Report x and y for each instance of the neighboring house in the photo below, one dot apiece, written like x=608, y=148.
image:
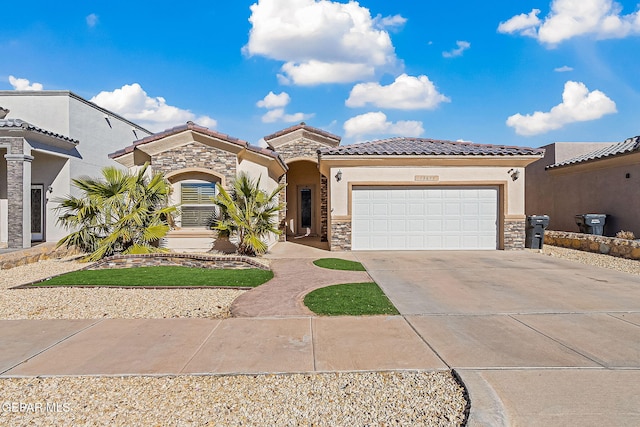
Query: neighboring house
x=580, y=178
x=394, y=194
x=48, y=138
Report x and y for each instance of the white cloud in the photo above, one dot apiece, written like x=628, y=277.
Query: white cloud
x=133, y=103
x=602, y=19
x=274, y=101
x=92, y=20
x=376, y=123
x=321, y=41
x=405, y=93
x=524, y=23
x=278, y=115
x=578, y=105
x=275, y=104
x=462, y=46
x=24, y=84
x=563, y=69
x=315, y=72
x=391, y=22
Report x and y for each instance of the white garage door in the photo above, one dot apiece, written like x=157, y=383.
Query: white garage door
x=422, y=218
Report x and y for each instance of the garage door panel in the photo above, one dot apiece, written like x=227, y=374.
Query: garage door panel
x=398, y=209
x=397, y=225
x=424, y=218
x=380, y=208
x=415, y=209
x=379, y=225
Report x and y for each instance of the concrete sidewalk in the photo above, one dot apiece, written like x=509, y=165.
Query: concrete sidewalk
x=514, y=375
x=198, y=346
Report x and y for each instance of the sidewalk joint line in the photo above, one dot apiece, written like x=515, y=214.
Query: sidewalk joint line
x=425, y=341
x=201, y=345
x=624, y=320
x=52, y=345
x=559, y=342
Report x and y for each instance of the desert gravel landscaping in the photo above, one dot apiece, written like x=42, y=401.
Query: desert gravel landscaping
x=590, y=258
x=334, y=399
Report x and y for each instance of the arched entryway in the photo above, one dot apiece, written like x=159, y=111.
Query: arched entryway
x=304, y=200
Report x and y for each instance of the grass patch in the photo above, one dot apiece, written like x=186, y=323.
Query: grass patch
x=173, y=276
x=339, y=264
x=349, y=299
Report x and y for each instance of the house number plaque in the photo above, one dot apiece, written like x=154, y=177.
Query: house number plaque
x=427, y=178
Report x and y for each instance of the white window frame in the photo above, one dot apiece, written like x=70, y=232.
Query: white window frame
x=203, y=201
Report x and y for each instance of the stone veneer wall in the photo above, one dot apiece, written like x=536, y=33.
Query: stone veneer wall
x=282, y=213
x=198, y=155
x=37, y=253
x=341, y=235
x=622, y=248
x=324, y=213
x=15, y=191
x=177, y=259
x=514, y=235
x=297, y=149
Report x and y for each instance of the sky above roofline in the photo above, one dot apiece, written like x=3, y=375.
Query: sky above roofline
x=522, y=73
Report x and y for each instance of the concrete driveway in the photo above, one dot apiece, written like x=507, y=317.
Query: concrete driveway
x=537, y=340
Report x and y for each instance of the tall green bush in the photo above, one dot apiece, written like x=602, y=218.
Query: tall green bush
x=119, y=213
x=247, y=212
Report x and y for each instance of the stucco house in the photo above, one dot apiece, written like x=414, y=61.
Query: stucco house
x=47, y=138
x=393, y=194
x=578, y=178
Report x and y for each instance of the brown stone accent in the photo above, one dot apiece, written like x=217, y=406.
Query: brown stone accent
x=282, y=214
x=199, y=155
x=300, y=148
x=324, y=217
x=37, y=253
x=178, y=259
x=514, y=234
x=16, y=159
x=341, y=235
x=622, y=248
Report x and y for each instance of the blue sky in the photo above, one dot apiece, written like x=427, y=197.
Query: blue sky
x=503, y=72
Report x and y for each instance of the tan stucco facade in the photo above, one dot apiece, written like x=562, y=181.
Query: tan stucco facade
x=320, y=184
x=428, y=171
x=604, y=186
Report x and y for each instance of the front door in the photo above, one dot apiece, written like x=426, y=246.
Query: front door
x=305, y=197
x=37, y=212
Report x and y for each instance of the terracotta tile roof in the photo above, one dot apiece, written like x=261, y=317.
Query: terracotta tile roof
x=401, y=146
x=627, y=146
x=302, y=125
x=21, y=124
x=200, y=129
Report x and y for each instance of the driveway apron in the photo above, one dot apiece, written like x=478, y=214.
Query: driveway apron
x=537, y=340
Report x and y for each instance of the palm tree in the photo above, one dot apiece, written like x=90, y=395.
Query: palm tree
x=120, y=213
x=248, y=212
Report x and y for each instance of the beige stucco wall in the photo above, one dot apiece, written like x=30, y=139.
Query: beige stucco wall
x=255, y=171
x=592, y=187
x=446, y=175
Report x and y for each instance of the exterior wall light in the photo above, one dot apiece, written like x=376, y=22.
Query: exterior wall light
x=339, y=175
x=515, y=173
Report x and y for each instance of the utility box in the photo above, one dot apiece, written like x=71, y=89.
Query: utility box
x=536, y=224
x=591, y=223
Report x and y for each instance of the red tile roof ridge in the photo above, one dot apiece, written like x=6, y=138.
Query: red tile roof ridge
x=302, y=125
